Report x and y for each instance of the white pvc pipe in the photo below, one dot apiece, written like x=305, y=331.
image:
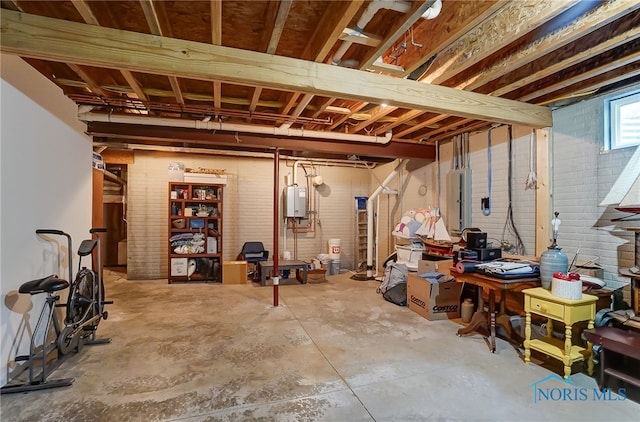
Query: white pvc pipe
x=233, y=127
x=366, y=17
x=375, y=274
x=373, y=196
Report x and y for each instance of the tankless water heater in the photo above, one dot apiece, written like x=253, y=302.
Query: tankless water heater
x=295, y=202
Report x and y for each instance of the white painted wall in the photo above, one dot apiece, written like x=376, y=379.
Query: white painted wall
x=45, y=178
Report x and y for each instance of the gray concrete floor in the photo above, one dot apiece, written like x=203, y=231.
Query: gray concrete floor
x=333, y=351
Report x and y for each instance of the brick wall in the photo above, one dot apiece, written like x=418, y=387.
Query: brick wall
x=247, y=212
x=583, y=174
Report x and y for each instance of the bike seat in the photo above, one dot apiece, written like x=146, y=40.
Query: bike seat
x=87, y=246
x=47, y=284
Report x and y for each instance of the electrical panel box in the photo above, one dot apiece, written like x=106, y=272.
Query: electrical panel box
x=459, y=200
x=295, y=200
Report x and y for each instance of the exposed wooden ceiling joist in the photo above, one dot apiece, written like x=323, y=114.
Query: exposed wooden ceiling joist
x=509, y=22
x=543, y=52
x=507, y=61
x=52, y=39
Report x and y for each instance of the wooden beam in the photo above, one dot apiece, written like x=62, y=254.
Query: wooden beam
x=421, y=125
x=327, y=33
x=562, y=61
x=12, y=5
x=356, y=108
x=324, y=106
x=156, y=28
x=411, y=114
x=217, y=95
x=593, y=21
x=454, y=125
x=85, y=11
x=131, y=80
x=254, y=99
x=216, y=22
x=63, y=41
x=281, y=18
x=302, y=104
x=117, y=156
x=580, y=87
x=403, y=26
x=543, y=191
x=505, y=26
x=177, y=91
x=437, y=34
x=92, y=85
x=358, y=37
x=447, y=135
x=376, y=114
x=151, y=16
x=87, y=14
x=329, y=29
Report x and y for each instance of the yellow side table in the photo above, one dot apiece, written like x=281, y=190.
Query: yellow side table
x=568, y=311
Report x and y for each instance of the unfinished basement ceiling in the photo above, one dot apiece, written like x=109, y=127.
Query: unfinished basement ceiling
x=375, y=79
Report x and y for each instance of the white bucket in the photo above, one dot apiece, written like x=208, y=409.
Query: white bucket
x=334, y=267
x=334, y=249
x=286, y=255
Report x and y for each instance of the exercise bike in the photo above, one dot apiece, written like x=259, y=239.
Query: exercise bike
x=86, y=300
x=84, y=311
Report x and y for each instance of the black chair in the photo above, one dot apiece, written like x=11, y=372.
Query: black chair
x=253, y=253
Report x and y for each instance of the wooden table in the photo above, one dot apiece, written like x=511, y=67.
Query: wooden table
x=484, y=324
x=568, y=311
x=285, y=265
x=615, y=343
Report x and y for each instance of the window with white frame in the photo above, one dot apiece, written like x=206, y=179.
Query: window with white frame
x=622, y=121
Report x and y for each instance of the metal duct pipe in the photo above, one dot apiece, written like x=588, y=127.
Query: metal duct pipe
x=232, y=127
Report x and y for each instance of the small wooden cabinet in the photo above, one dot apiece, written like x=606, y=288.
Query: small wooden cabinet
x=540, y=301
x=195, y=232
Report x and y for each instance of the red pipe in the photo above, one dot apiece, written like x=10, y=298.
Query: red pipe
x=276, y=188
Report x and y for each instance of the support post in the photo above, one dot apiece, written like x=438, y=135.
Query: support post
x=276, y=187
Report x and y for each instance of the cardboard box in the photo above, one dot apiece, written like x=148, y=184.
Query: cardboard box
x=234, y=272
x=316, y=276
x=178, y=266
x=433, y=301
x=440, y=265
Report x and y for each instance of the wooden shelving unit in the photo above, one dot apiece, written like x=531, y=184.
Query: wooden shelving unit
x=195, y=232
x=361, y=233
